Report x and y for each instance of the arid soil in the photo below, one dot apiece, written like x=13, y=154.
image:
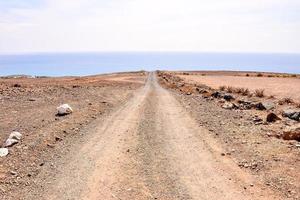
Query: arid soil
x=143, y=138
x=28, y=105
x=276, y=86
x=254, y=147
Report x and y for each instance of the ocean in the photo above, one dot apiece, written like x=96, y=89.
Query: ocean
x=80, y=64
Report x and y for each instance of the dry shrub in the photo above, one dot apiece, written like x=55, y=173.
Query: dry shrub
x=250, y=94
x=245, y=91
x=271, y=97
x=230, y=89
x=259, y=93
x=259, y=75
x=286, y=100
x=247, y=75
x=222, y=87
x=297, y=105
x=238, y=90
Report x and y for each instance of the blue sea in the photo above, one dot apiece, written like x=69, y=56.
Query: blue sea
x=62, y=64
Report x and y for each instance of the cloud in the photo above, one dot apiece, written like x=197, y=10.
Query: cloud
x=141, y=25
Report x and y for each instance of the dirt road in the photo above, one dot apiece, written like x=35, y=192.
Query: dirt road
x=150, y=148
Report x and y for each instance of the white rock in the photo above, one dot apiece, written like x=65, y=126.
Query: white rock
x=64, y=109
x=13, y=138
x=10, y=142
x=3, y=152
x=15, y=135
x=228, y=105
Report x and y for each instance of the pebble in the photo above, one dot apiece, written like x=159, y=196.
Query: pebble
x=13, y=173
x=3, y=152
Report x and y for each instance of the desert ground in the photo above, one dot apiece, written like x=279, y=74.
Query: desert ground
x=280, y=87
x=149, y=135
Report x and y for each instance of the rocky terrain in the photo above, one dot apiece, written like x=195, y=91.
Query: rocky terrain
x=259, y=133
x=145, y=136
x=29, y=106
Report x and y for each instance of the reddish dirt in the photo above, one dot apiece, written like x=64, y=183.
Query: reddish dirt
x=131, y=138
x=28, y=105
x=274, y=161
x=278, y=87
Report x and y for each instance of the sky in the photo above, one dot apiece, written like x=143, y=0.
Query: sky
x=144, y=25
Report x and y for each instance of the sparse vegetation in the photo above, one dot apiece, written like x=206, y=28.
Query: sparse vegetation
x=259, y=75
x=259, y=93
x=286, y=100
x=222, y=88
x=230, y=89
x=271, y=97
x=242, y=91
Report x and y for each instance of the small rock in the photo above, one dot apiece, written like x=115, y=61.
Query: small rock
x=244, y=104
x=15, y=135
x=17, y=85
x=272, y=117
x=228, y=97
x=10, y=142
x=13, y=138
x=265, y=106
x=13, y=173
x=257, y=119
x=292, y=133
x=64, y=109
x=223, y=154
x=3, y=152
x=58, y=139
x=292, y=114
x=229, y=106
x=216, y=94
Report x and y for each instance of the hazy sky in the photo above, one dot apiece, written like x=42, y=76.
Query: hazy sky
x=150, y=25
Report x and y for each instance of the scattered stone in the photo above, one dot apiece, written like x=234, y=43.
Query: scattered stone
x=272, y=117
x=201, y=90
x=17, y=85
x=13, y=173
x=58, y=139
x=50, y=145
x=229, y=106
x=228, y=97
x=15, y=135
x=64, y=109
x=265, y=106
x=257, y=119
x=13, y=139
x=292, y=133
x=216, y=94
x=10, y=142
x=292, y=114
x=246, y=105
x=3, y=152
